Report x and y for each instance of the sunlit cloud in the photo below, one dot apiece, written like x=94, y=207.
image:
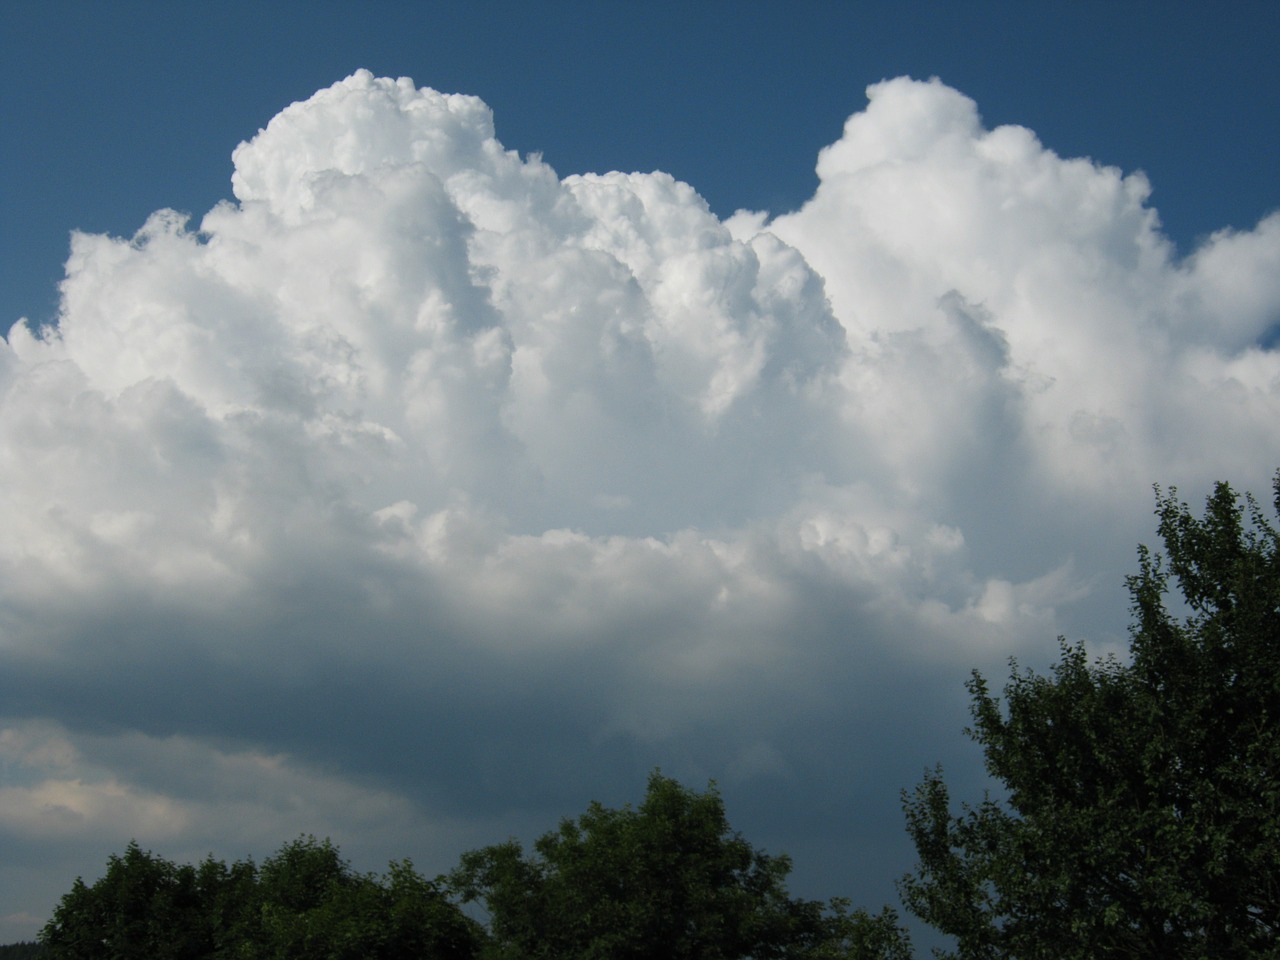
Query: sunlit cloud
x=421, y=484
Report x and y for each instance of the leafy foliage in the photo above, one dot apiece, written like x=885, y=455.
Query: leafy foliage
x=306, y=903
x=669, y=879
x=1142, y=807
x=144, y=907
x=314, y=905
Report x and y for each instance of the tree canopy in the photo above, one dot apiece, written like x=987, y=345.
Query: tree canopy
x=1140, y=815
x=23, y=950
x=305, y=903
x=669, y=879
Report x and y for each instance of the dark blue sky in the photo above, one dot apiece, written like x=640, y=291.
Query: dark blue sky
x=113, y=110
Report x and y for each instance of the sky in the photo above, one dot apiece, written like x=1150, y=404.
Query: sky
x=420, y=420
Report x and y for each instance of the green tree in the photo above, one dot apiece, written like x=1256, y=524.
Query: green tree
x=420, y=921
x=1140, y=815
x=23, y=950
x=306, y=903
x=143, y=907
x=230, y=907
x=315, y=907
x=668, y=880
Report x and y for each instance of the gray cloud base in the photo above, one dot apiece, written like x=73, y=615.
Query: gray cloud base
x=421, y=495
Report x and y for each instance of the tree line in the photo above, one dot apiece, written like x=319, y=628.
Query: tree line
x=1139, y=817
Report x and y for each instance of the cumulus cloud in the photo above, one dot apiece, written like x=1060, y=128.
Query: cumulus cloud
x=1046, y=289
x=444, y=491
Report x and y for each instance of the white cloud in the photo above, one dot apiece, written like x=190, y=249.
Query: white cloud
x=420, y=478
x=1099, y=357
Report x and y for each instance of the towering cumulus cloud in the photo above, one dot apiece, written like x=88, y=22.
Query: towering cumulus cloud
x=445, y=492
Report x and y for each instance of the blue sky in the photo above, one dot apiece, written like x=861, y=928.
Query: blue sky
x=415, y=493
x=115, y=110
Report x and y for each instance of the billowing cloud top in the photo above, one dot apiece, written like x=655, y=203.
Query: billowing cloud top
x=423, y=475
